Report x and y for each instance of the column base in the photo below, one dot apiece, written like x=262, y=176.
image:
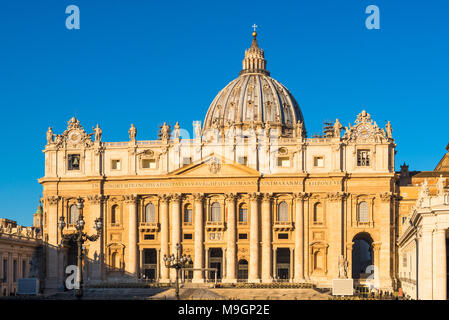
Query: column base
x=164, y=280
x=254, y=281
x=299, y=280
x=267, y=280
x=229, y=281
x=198, y=280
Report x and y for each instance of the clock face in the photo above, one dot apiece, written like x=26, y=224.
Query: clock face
x=74, y=137
x=363, y=131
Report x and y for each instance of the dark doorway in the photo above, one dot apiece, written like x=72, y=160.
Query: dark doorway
x=215, y=261
x=149, y=264
x=283, y=264
x=242, y=271
x=362, y=256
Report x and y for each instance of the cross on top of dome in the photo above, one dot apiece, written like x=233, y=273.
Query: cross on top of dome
x=254, y=61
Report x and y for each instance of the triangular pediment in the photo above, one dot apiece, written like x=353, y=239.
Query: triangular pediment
x=215, y=166
x=443, y=165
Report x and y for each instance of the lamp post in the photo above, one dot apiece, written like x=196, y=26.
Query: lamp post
x=177, y=263
x=79, y=237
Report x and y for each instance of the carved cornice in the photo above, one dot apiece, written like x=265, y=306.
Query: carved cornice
x=52, y=200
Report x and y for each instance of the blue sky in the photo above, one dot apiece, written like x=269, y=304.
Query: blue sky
x=146, y=62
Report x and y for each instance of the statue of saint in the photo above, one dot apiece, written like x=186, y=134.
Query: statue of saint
x=337, y=129
x=299, y=129
x=132, y=133
x=389, y=130
x=342, y=268
x=440, y=185
x=98, y=133
x=49, y=135
x=267, y=131
x=176, y=131
x=165, y=131
x=197, y=129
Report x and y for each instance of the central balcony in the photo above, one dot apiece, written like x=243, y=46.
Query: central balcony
x=148, y=226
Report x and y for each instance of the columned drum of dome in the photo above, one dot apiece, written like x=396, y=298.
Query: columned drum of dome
x=254, y=99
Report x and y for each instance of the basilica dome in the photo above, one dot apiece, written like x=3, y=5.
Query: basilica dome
x=254, y=98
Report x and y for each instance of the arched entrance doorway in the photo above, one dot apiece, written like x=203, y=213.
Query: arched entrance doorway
x=215, y=261
x=242, y=271
x=362, y=256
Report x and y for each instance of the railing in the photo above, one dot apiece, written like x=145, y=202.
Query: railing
x=149, y=225
x=215, y=225
x=283, y=225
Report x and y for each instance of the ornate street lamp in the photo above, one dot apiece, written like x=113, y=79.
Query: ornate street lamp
x=79, y=237
x=179, y=262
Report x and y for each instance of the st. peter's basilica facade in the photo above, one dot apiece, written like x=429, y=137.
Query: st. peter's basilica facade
x=250, y=197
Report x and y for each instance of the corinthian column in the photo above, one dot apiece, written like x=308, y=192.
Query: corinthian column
x=133, y=266
x=439, y=274
x=198, y=263
x=96, y=247
x=266, y=238
x=231, y=239
x=299, y=238
x=254, y=239
x=175, y=227
x=52, y=281
x=163, y=205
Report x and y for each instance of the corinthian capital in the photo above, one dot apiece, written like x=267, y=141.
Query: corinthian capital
x=175, y=197
x=300, y=196
x=230, y=197
x=52, y=200
x=130, y=199
x=386, y=196
x=267, y=197
x=164, y=198
x=336, y=196
x=198, y=197
x=95, y=198
x=255, y=196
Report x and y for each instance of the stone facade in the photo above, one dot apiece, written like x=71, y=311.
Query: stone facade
x=249, y=195
x=20, y=255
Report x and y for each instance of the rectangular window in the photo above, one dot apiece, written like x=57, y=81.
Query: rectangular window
x=115, y=165
x=74, y=162
x=5, y=270
x=14, y=271
x=186, y=161
x=282, y=235
x=148, y=163
x=283, y=162
x=243, y=236
x=243, y=215
x=148, y=237
x=243, y=160
x=363, y=158
x=318, y=162
x=188, y=236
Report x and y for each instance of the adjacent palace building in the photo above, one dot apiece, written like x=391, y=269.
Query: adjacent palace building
x=250, y=197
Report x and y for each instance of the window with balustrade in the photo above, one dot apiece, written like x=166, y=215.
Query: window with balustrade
x=243, y=213
x=73, y=214
x=150, y=213
x=283, y=212
x=188, y=216
x=215, y=212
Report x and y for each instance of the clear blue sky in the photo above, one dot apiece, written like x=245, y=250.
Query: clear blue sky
x=146, y=62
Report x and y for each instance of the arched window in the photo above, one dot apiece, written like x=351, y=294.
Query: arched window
x=283, y=211
x=150, y=213
x=188, y=213
x=243, y=213
x=74, y=214
x=318, y=213
x=242, y=270
x=363, y=212
x=114, y=214
x=215, y=212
